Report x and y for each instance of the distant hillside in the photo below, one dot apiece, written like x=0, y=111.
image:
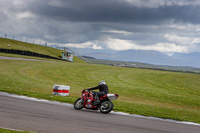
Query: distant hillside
x=144, y=56
x=147, y=56
x=18, y=45
x=190, y=58
x=88, y=57
x=145, y=65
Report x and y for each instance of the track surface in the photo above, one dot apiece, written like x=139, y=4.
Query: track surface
x=15, y=58
x=41, y=117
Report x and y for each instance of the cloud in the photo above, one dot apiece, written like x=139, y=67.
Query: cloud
x=191, y=43
x=92, y=45
x=25, y=15
x=117, y=32
x=158, y=3
x=179, y=39
x=117, y=44
x=168, y=48
x=165, y=26
x=188, y=41
x=116, y=10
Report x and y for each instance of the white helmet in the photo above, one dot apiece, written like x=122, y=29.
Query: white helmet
x=102, y=82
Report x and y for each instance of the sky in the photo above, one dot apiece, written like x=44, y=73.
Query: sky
x=166, y=26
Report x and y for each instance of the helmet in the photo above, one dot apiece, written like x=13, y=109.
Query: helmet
x=102, y=82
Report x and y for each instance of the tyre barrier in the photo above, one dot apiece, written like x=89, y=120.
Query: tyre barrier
x=28, y=53
x=61, y=90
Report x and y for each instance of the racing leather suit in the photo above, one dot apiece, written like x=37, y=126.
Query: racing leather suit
x=103, y=90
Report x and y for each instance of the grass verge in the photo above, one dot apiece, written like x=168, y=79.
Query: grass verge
x=13, y=44
x=12, y=131
x=155, y=93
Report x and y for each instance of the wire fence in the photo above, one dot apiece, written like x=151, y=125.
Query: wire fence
x=28, y=40
x=42, y=43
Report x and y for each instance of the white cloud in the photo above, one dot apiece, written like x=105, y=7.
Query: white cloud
x=198, y=28
x=157, y=3
x=178, y=39
x=19, y=19
x=117, y=44
x=168, y=48
x=25, y=15
x=117, y=32
x=195, y=41
x=90, y=44
x=191, y=43
x=175, y=26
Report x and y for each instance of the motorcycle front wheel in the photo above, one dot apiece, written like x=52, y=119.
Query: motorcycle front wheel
x=78, y=104
x=106, y=107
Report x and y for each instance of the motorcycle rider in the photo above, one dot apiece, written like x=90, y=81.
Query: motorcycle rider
x=103, y=90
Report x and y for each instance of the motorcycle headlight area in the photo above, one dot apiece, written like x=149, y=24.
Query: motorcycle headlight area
x=89, y=100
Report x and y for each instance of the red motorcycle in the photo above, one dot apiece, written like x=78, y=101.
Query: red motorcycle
x=87, y=100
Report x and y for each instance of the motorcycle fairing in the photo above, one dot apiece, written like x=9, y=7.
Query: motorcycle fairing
x=112, y=97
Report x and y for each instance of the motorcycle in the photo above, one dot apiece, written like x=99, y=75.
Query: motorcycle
x=87, y=100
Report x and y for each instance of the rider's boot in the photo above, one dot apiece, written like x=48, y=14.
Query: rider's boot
x=97, y=99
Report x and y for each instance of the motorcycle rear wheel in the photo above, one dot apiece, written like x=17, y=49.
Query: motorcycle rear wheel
x=106, y=107
x=78, y=104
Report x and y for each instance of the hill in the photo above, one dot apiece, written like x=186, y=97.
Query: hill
x=144, y=56
x=18, y=45
x=144, y=65
x=141, y=91
x=157, y=93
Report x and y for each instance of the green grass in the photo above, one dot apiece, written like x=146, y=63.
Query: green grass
x=31, y=47
x=146, y=92
x=162, y=94
x=12, y=131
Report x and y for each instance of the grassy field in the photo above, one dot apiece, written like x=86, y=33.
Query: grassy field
x=146, y=66
x=146, y=92
x=13, y=44
x=12, y=131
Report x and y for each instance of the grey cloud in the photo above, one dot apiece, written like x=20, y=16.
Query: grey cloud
x=79, y=21
x=114, y=11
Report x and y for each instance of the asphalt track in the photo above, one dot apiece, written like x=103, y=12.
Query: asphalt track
x=45, y=117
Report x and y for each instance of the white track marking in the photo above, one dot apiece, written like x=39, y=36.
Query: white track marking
x=117, y=113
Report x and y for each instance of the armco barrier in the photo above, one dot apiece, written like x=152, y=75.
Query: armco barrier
x=28, y=53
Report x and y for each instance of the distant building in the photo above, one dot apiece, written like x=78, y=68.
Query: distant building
x=67, y=56
x=123, y=65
